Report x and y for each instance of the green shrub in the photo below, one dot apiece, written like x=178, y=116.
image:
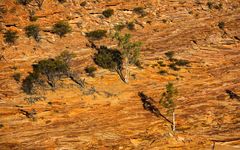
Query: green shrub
x=169, y=55
x=218, y=6
x=84, y=3
x=108, y=58
x=131, y=25
x=139, y=11
x=162, y=72
x=182, y=62
x=221, y=25
x=2, y=10
x=108, y=13
x=62, y=1
x=90, y=70
x=167, y=101
x=28, y=83
x=61, y=28
x=39, y=3
x=138, y=64
x=210, y=5
x=33, y=31
x=17, y=77
x=66, y=56
x=161, y=63
x=24, y=2
x=33, y=18
x=119, y=27
x=173, y=67
x=47, y=71
x=97, y=34
x=10, y=37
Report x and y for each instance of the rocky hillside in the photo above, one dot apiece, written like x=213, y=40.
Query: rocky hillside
x=108, y=113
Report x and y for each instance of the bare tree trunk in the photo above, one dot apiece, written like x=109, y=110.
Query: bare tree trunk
x=120, y=75
x=126, y=70
x=173, y=121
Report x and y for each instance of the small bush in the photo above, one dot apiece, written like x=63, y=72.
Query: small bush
x=10, y=37
x=131, y=25
x=108, y=58
x=108, y=13
x=62, y=1
x=90, y=70
x=138, y=64
x=17, y=77
x=97, y=34
x=61, y=28
x=182, y=62
x=83, y=4
x=28, y=83
x=33, y=31
x=210, y=5
x=33, y=18
x=139, y=11
x=39, y=3
x=162, y=72
x=2, y=10
x=47, y=71
x=161, y=63
x=24, y=2
x=173, y=67
x=119, y=27
x=218, y=6
x=169, y=55
x=221, y=25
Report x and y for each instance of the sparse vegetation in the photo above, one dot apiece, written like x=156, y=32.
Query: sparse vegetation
x=162, y=72
x=161, y=63
x=2, y=10
x=32, y=16
x=131, y=25
x=61, y=28
x=17, y=77
x=33, y=31
x=62, y=1
x=130, y=51
x=170, y=55
x=173, y=67
x=182, y=62
x=90, y=70
x=221, y=25
x=84, y=3
x=47, y=71
x=24, y=2
x=10, y=37
x=139, y=11
x=97, y=34
x=32, y=100
x=119, y=27
x=39, y=3
x=167, y=101
x=108, y=58
x=108, y=13
x=212, y=5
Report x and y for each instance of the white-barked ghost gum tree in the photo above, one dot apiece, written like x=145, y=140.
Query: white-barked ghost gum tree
x=130, y=52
